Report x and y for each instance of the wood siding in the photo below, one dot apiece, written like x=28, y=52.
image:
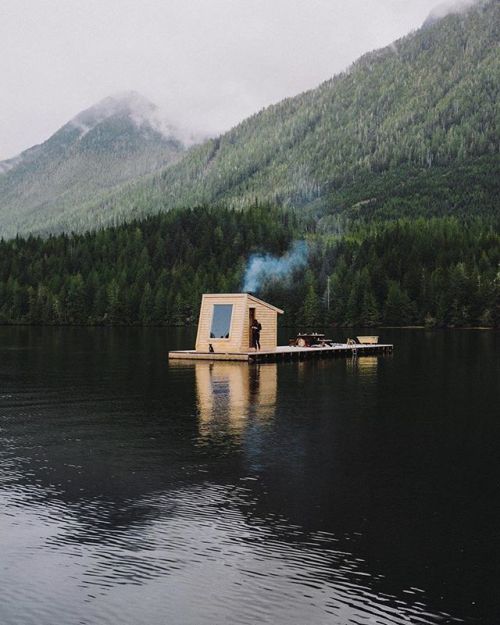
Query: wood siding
x=268, y=318
x=239, y=337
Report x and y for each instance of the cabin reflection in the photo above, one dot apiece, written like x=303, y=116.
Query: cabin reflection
x=229, y=394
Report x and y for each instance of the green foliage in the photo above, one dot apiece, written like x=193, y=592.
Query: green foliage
x=311, y=312
x=90, y=157
x=148, y=272
x=395, y=163
x=408, y=130
x=397, y=306
x=442, y=271
x=412, y=127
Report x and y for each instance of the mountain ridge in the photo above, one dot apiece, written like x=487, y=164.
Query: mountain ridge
x=451, y=7
x=308, y=120
x=427, y=101
x=119, y=139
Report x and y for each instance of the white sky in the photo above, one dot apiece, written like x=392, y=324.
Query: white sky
x=207, y=63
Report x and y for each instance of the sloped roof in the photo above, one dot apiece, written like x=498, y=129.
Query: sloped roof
x=248, y=296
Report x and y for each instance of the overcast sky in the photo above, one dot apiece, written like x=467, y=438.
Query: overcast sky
x=207, y=63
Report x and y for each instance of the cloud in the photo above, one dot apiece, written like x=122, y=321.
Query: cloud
x=447, y=8
x=207, y=65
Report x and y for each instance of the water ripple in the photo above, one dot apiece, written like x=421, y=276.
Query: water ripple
x=332, y=493
x=197, y=545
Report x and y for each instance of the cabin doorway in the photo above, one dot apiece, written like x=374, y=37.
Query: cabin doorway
x=251, y=319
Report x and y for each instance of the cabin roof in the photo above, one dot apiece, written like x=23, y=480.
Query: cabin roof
x=247, y=296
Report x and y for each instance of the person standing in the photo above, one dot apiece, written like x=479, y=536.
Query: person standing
x=256, y=328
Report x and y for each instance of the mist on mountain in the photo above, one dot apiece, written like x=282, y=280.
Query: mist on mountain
x=115, y=142
x=399, y=132
x=450, y=7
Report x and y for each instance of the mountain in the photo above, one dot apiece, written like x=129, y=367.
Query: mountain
x=120, y=139
x=426, y=103
x=414, y=124
x=408, y=130
x=393, y=171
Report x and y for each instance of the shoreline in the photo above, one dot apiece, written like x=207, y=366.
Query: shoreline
x=294, y=327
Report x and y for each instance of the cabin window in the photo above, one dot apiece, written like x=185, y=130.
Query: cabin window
x=221, y=321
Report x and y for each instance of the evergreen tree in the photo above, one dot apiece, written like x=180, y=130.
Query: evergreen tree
x=370, y=315
x=438, y=272
x=397, y=305
x=146, y=310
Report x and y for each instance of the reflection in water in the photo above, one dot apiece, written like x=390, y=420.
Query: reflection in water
x=230, y=393
x=365, y=365
x=200, y=561
x=321, y=493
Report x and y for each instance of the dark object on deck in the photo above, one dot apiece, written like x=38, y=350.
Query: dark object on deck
x=211, y=348
x=363, y=340
x=256, y=328
x=312, y=339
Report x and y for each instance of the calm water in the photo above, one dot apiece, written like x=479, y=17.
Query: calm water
x=137, y=492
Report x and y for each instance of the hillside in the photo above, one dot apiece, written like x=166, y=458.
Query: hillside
x=422, y=113
x=393, y=167
x=409, y=130
x=442, y=271
x=429, y=100
x=118, y=140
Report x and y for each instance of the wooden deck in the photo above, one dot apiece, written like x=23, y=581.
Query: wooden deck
x=286, y=353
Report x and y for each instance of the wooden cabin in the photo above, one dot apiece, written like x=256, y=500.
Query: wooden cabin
x=225, y=321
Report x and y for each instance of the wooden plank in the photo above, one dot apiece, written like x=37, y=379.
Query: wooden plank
x=285, y=352
x=206, y=356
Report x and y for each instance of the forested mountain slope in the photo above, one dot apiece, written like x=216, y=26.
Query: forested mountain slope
x=410, y=130
x=394, y=167
x=421, y=113
x=442, y=271
x=116, y=141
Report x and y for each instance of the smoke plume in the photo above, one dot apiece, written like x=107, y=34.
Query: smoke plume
x=262, y=268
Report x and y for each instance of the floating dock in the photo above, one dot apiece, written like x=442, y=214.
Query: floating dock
x=286, y=353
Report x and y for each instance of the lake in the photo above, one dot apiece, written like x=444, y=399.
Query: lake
x=134, y=491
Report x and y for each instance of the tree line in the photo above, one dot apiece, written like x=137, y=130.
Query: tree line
x=146, y=272
x=442, y=271
x=439, y=272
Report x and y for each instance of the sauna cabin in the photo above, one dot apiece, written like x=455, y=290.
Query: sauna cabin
x=225, y=321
